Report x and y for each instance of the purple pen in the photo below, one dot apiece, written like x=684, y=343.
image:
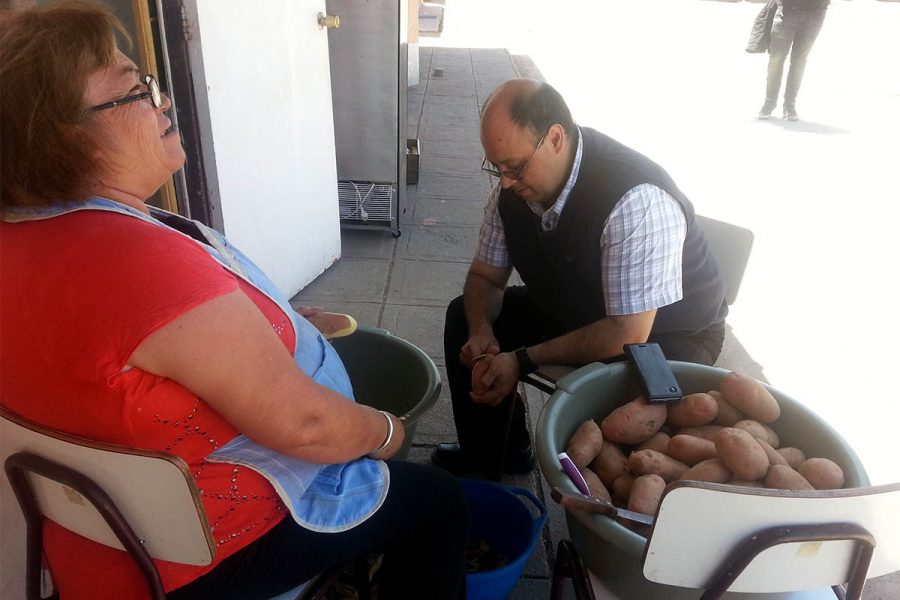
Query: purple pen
x=573, y=473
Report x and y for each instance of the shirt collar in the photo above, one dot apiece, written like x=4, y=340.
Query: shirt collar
x=551, y=215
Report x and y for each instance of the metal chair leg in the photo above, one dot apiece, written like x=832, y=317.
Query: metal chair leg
x=735, y=564
x=569, y=566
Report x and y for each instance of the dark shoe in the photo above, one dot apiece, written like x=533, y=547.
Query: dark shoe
x=790, y=113
x=451, y=457
x=766, y=111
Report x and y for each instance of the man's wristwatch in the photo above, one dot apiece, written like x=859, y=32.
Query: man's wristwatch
x=526, y=367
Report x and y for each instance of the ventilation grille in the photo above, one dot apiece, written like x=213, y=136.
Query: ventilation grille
x=365, y=201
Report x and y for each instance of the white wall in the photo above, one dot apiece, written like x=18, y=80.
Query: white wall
x=268, y=87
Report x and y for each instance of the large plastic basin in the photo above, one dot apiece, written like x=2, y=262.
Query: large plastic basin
x=389, y=373
x=612, y=552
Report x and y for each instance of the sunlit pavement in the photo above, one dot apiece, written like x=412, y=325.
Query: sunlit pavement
x=671, y=79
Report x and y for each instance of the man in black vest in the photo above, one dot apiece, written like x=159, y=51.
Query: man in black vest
x=609, y=253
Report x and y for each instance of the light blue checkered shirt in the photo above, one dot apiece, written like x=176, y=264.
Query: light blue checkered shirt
x=641, y=244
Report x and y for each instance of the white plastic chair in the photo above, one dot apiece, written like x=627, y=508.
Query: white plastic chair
x=143, y=502
x=770, y=543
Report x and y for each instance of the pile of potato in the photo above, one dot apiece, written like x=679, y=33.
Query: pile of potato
x=721, y=436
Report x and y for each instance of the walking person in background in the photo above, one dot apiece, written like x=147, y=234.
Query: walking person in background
x=794, y=30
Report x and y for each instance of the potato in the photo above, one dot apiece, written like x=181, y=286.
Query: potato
x=598, y=490
x=659, y=441
x=750, y=397
x=713, y=470
x=610, y=463
x=690, y=450
x=727, y=414
x=707, y=432
x=785, y=478
x=794, y=456
x=645, y=462
x=772, y=453
x=634, y=422
x=621, y=487
x=741, y=454
x=745, y=483
x=585, y=443
x=646, y=492
x=692, y=410
x=822, y=473
x=759, y=431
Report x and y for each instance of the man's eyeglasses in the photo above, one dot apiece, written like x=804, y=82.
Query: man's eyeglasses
x=517, y=173
x=152, y=92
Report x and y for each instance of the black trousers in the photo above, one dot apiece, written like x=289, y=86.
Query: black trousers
x=480, y=428
x=422, y=529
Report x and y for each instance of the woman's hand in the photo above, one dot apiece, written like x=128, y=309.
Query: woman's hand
x=330, y=325
x=397, y=434
x=307, y=311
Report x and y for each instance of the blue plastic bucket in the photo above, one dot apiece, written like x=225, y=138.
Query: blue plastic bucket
x=501, y=518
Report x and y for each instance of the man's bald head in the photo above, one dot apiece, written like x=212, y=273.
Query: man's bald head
x=529, y=104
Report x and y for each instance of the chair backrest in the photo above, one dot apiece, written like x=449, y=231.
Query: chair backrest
x=701, y=526
x=730, y=246
x=154, y=491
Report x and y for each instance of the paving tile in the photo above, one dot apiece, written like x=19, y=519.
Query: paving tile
x=367, y=243
x=489, y=55
x=451, y=105
x=443, y=127
x=453, y=149
x=470, y=187
x=530, y=589
x=438, y=243
x=447, y=211
x=461, y=88
x=735, y=357
x=426, y=283
x=450, y=165
x=419, y=325
x=348, y=280
x=525, y=67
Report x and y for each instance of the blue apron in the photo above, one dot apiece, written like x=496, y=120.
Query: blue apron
x=325, y=498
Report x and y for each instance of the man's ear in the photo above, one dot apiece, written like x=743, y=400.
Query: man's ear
x=556, y=136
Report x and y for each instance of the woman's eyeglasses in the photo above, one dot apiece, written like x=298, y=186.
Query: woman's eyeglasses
x=517, y=173
x=152, y=92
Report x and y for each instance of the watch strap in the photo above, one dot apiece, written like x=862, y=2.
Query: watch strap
x=526, y=367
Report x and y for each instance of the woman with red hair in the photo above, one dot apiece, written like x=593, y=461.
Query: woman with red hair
x=129, y=325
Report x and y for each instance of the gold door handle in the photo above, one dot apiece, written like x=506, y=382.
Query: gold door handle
x=329, y=21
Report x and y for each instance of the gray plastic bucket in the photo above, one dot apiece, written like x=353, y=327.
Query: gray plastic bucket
x=391, y=374
x=612, y=552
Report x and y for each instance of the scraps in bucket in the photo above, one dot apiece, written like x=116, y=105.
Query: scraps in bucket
x=480, y=556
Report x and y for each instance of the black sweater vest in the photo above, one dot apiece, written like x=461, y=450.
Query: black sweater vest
x=561, y=268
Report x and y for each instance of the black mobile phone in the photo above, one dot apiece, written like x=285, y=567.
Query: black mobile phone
x=653, y=372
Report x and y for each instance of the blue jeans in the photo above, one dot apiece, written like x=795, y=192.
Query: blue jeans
x=794, y=32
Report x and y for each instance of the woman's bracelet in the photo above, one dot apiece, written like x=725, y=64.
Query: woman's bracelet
x=388, y=438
